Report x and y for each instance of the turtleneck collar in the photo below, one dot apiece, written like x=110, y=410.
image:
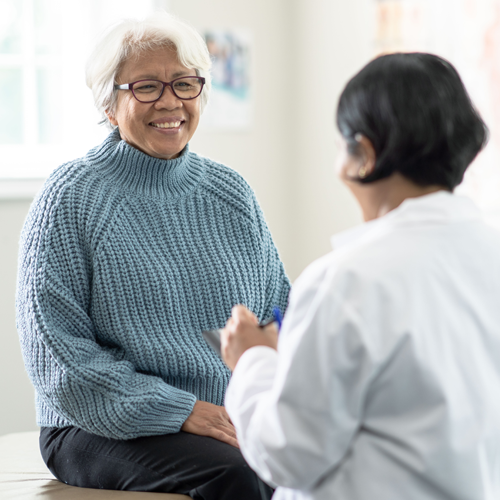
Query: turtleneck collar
x=135, y=171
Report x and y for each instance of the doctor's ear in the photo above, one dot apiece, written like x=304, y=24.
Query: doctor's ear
x=365, y=154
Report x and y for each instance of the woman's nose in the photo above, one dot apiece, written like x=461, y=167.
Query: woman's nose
x=168, y=99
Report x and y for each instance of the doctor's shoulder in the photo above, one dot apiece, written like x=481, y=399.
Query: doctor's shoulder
x=357, y=274
x=320, y=277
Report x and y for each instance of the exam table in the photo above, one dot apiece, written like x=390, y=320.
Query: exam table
x=24, y=476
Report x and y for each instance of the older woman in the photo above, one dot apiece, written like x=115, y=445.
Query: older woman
x=127, y=255
x=386, y=380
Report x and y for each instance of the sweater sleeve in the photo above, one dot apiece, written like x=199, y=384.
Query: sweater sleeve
x=84, y=383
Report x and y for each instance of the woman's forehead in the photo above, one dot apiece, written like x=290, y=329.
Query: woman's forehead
x=154, y=63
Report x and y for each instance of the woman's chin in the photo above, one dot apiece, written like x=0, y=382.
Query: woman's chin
x=165, y=148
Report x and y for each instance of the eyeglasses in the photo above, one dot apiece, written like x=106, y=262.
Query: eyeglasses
x=185, y=88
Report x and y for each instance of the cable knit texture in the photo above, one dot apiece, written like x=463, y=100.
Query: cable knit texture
x=125, y=259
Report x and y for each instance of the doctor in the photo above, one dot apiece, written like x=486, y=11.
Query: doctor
x=385, y=382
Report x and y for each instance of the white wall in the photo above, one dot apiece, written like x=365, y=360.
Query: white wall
x=331, y=40
x=17, y=396
x=287, y=156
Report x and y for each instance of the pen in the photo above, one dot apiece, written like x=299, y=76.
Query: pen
x=277, y=317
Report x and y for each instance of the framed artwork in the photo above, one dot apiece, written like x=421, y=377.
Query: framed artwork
x=230, y=106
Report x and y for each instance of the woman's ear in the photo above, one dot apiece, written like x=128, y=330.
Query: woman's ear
x=366, y=154
x=111, y=117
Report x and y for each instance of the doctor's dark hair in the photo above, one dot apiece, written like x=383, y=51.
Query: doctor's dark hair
x=417, y=114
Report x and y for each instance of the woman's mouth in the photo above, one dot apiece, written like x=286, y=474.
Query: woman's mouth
x=166, y=124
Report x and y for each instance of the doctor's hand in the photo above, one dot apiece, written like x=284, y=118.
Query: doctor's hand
x=242, y=332
x=211, y=420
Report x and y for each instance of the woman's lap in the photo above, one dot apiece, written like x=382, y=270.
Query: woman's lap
x=199, y=466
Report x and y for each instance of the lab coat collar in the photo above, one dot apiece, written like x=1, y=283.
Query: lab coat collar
x=438, y=208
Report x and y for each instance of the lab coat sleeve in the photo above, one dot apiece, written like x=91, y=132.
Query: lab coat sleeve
x=297, y=411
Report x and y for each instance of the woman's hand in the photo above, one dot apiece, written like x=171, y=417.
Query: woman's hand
x=242, y=332
x=211, y=420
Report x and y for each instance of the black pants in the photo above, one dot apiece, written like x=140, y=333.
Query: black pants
x=201, y=467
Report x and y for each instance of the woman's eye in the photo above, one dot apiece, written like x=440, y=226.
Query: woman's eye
x=146, y=88
x=183, y=85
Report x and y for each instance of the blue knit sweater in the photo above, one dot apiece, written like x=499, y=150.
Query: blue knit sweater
x=125, y=259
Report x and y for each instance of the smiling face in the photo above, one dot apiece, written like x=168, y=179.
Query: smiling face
x=162, y=128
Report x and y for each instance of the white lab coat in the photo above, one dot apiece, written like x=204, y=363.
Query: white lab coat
x=386, y=384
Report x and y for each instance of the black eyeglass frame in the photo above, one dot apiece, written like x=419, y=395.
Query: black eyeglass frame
x=129, y=86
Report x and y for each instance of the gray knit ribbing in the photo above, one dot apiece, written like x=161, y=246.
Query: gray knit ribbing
x=124, y=260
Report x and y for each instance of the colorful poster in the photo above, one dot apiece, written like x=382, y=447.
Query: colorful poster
x=230, y=105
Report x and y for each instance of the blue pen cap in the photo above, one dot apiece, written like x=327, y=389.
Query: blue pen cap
x=278, y=317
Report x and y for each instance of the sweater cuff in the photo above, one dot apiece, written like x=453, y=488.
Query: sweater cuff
x=167, y=412
x=161, y=412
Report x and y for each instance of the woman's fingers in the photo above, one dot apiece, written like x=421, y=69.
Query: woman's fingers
x=225, y=433
x=225, y=438
x=210, y=420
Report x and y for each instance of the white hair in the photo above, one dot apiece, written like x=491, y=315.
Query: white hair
x=130, y=37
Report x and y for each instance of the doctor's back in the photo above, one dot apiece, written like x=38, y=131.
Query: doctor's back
x=386, y=380
x=422, y=291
